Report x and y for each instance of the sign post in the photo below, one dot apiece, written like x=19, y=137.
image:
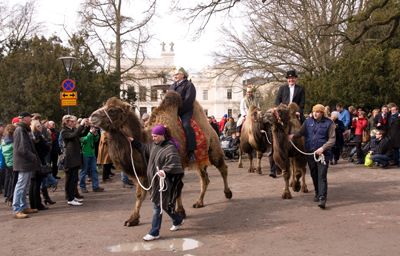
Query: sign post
x=68, y=97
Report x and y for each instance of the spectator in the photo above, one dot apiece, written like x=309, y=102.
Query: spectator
x=25, y=161
x=383, y=152
x=55, y=149
x=38, y=117
x=230, y=127
x=73, y=160
x=371, y=127
x=381, y=120
x=15, y=121
x=145, y=117
x=221, y=124
x=359, y=124
x=394, y=133
x=42, y=149
x=11, y=177
x=162, y=155
x=373, y=143
x=103, y=157
x=126, y=182
x=339, y=143
x=344, y=115
x=213, y=125
x=89, y=161
x=2, y=129
x=328, y=111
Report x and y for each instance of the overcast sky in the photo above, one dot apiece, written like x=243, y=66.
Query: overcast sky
x=191, y=55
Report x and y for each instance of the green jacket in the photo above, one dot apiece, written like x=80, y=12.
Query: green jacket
x=7, y=146
x=88, y=144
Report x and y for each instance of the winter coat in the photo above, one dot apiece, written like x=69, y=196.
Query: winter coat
x=25, y=158
x=383, y=148
x=72, y=145
x=55, y=149
x=393, y=133
x=88, y=141
x=339, y=130
x=379, y=119
x=103, y=157
x=188, y=93
x=215, y=127
x=374, y=143
x=164, y=156
x=41, y=147
x=221, y=124
x=7, y=145
x=360, y=125
x=229, y=128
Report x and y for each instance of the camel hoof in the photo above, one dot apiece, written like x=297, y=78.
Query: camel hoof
x=296, y=187
x=182, y=213
x=258, y=170
x=130, y=223
x=198, y=205
x=286, y=196
x=228, y=194
x=304, y=189
x=250, y=170
x=240, y=165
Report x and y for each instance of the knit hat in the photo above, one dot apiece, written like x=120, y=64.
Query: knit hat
x=226, y=115
x=160, y=130
x=374, y=132
x=319, y=108
x=15, y=120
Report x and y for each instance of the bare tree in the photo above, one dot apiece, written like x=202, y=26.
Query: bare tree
x=119, y=36
x=17, y=23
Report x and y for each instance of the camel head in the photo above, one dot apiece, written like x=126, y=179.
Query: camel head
x=113, y=115
x=278, y=116
x=255, y=114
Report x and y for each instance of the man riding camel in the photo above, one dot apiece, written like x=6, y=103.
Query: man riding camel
x=245, y=104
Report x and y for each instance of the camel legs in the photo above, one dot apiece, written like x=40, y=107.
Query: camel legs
x=203, y=175
x=240, y=165
x=259, y=156
x=179, y=207
x=224, y=173
x=251, y=167
x=286, y=176
x=304, y=188
x=140, y=196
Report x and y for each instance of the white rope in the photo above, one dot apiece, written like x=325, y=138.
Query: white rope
x=162, y=181
x=107, y=115
x=267, y=137
x=320, y=159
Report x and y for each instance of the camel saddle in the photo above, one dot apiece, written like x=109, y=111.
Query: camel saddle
x=201, y=153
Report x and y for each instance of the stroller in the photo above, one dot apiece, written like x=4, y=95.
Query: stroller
x=230, y=147
x=350, y=154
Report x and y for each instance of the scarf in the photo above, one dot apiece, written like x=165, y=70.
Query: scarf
x=160, y=130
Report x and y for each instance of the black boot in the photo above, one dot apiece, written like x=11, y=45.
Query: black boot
x=46, y=196
x=192, y=158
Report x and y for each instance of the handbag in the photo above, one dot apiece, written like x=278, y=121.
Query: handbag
x=365, y=136
x=61, y=162
x=46, y=169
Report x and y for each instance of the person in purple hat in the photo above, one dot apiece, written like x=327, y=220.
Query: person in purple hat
x=162, y=158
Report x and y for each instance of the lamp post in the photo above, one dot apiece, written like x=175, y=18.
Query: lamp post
x=68, y=63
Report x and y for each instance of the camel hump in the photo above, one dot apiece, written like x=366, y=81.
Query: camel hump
x=171, y=98
x=293, y=107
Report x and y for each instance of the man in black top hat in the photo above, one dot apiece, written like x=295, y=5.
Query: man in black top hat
x=292, y=93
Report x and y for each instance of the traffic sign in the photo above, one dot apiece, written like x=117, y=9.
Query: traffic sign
x=68, y=85
x=68, y=95
x=68, y=99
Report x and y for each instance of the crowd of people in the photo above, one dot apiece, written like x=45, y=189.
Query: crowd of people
x=29, y=145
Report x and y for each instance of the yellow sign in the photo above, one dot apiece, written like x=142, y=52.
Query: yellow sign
x=68, y=95
x=68, y=102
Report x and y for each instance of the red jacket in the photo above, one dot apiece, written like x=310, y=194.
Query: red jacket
x=360, y=125
x=222, y=124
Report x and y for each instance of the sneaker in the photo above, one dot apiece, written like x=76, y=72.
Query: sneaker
x=99, y=189
x=84, y=190
x=316, y=198
x=29, y=210
x=79, y=196
x=175, y=228
x=73, y=202
x=149, y=237
x=126, y=185
x=322, y=202
x=20, y=215
x=77, y=200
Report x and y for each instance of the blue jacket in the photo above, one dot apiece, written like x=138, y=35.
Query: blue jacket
x=344, y=116
x=316, y=133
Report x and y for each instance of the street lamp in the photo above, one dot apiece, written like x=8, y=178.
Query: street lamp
x=68, y=63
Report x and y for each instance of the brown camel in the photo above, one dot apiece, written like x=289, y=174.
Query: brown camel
x=253, y=139
x=284, y=122
x=119, y=121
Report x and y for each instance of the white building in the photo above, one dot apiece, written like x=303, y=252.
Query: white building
x=217, y=94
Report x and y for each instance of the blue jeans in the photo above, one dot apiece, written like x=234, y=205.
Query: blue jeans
x=124, y=178
x=380, y=159
x=157, y=217
x=89, y=162
x=396, y=155
x=48, y=180
x=19, y=202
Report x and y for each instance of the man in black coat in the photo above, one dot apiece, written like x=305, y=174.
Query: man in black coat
x=394, y=132
x=213, y=125
x=188, y=93
x=381, y=120
x=55, y=149
x=383, y=152
x=292, y=93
